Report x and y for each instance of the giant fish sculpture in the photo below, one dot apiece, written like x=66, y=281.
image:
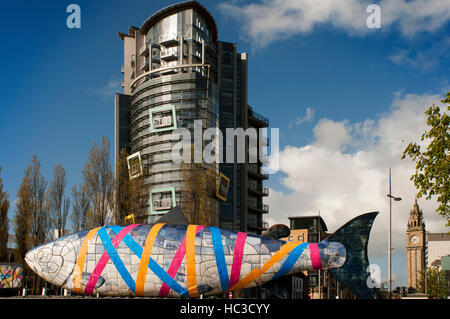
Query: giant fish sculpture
x=164, y=260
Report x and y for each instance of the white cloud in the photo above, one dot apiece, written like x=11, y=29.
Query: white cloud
x=416, y=15
x=308, y=117
x=112, y=86
x=344, y=173
x=417, y=61
x=425, y=60
x=331, y=134
x=270, y=20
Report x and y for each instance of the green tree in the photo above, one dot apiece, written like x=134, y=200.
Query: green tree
x=433, y=164
x=4, y=207
x=435, y=282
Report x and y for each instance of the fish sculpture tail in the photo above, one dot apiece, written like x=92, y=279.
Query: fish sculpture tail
x=354, y=235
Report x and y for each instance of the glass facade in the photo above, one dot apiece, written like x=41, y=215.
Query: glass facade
x=229, y=210
x=166, y=100
x=176, y=72
x=188, y=24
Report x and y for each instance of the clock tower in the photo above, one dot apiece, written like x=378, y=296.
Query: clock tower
x=415, y=245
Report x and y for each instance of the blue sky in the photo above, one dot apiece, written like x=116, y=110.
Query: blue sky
x=364, y=91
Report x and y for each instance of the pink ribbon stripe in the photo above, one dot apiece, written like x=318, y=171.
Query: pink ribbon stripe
x=237, y=258
x=175, y=265
x=104, y=260
x=315, y=256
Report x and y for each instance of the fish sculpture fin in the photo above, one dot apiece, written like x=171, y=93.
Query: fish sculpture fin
x=354, y=274
x=85, y=279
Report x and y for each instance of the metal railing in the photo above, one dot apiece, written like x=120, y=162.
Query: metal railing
x=253, y=169
x=254, y=223
x=258, y=116
x=145, y=65
x=264, y=207
x=143, y=50
x=169, y=52
x=166, y=37
x=259, y=189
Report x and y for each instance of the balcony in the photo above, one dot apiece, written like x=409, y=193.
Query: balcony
x=197, y=55
x=262, y=209
x=143, y=51
x=255, y=171
x=145, y=66
x=255, y=225
x=168, y=39
x=155, y=58
x=261, y=120
x=169, y=69
x=169, y=54
x=259, y=190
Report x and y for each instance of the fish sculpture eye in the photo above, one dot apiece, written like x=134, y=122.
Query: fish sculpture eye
x=43, y=255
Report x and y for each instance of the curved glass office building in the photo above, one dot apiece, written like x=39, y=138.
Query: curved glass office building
x=176, y=71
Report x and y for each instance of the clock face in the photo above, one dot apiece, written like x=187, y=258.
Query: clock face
x=414, y=239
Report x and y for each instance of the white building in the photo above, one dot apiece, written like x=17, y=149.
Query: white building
x=438, y=245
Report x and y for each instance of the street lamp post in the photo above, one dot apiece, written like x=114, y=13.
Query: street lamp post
x=390, y=231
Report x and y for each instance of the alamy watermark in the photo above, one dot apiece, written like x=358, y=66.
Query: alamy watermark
x=374, y=279
x=207, y=146
x=373, y=21
x=73, y=20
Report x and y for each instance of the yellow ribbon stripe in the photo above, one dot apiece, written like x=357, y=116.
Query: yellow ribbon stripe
x=81, y=259
x=145, y=258
x=256, y=272
x=190, y=260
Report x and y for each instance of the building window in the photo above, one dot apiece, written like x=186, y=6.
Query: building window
x=313, y=238
x=162, y=200
x=313, y=282
x=222, y=187
x=163, y=118
x=291, y=238
x=300, y=238
x=134, y=165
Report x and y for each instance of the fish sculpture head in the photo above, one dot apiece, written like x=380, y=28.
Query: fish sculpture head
x=53, y=261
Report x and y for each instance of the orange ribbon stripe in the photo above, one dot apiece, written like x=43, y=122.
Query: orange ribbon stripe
x=145, y=258
x=81, y=259
x=190, y=260
x=256, y=272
